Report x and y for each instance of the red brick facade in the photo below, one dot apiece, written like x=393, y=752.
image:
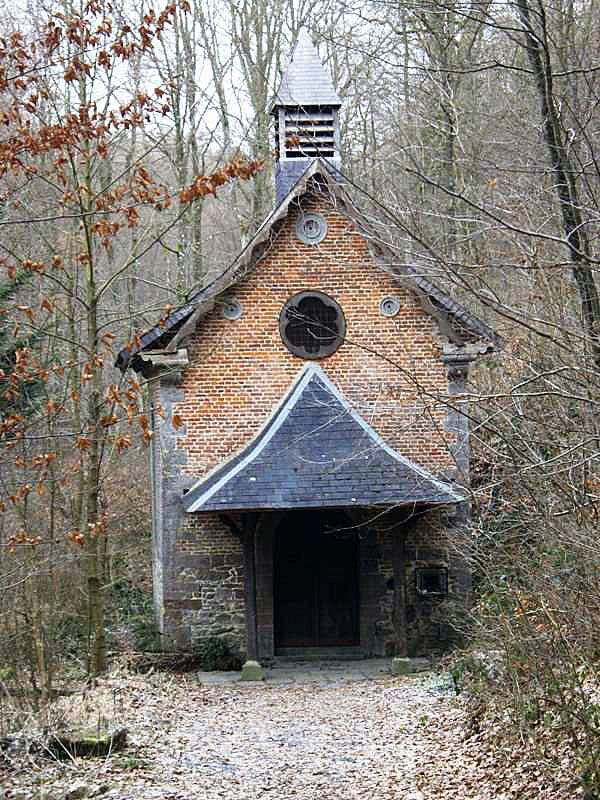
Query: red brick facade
x=392, y=371
x=389, y=368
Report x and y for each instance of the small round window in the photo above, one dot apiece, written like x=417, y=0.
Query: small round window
x=311, y=228
x=312, y=325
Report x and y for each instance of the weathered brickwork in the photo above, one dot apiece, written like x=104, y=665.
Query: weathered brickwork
x=210, y=581
x=390, y=369
x=425, y=545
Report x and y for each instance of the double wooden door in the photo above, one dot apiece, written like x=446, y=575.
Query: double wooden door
x=316, y=586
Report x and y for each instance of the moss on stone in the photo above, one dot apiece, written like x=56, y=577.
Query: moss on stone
x=89, y=742
x=252, y=671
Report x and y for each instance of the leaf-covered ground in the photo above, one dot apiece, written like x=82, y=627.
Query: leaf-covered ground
x=389, y=738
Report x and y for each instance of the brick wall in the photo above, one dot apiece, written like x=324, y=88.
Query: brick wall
x=240, y=369
x=390, y=369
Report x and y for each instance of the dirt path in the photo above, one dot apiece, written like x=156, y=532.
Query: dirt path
x=345, y=742
x=385, y=738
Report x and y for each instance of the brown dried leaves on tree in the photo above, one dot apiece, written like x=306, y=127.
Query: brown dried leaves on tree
x=54, y=130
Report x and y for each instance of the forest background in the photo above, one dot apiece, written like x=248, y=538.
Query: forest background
x=135, y=161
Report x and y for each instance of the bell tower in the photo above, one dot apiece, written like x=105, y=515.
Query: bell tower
x=306, y=113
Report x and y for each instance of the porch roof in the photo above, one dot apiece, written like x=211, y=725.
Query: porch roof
x=316, y=451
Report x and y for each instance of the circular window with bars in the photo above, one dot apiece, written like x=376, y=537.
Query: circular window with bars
x=312, y=325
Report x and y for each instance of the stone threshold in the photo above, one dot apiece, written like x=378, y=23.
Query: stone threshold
x=322, y=672
x=286, y=654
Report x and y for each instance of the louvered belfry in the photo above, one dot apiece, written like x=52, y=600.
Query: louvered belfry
x=305, y=110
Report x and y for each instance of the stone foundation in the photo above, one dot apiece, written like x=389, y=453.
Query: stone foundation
x=206, y=596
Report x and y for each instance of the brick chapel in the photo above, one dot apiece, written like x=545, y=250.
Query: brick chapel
x=309, y=502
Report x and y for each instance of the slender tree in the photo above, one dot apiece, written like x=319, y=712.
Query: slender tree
x=63, y=120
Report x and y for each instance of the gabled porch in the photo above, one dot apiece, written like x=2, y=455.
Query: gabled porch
x=327, y=514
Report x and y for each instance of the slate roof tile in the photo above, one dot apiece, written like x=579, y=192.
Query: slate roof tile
x=306, y=82
x=315, y=450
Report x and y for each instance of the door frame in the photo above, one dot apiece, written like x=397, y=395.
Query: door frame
x=369, y=582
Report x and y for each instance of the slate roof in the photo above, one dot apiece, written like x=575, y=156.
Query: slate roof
x=316, y=451
x=306, y=82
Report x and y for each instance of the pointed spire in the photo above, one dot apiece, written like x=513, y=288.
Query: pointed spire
x=306, y=115
x=306, y=82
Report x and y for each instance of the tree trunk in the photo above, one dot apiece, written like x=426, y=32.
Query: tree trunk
x=564, y=182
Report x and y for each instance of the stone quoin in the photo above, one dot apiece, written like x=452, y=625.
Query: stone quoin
x=309, y=501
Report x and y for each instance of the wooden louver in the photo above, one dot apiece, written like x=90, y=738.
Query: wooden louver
x=309, y=132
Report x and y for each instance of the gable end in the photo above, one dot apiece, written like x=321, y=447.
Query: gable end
x=456, y=323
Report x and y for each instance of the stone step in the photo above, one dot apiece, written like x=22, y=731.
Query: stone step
x=319, y=654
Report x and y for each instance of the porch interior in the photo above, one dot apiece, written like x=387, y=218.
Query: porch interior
x=318, y=585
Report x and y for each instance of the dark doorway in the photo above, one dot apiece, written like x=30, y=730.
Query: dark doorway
x=316, y=579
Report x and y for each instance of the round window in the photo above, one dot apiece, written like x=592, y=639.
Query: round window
x=312, y=325
x=311, y=228
x=232, y=308
x=390, y=306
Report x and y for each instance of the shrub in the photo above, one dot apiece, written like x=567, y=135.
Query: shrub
x=215, y=654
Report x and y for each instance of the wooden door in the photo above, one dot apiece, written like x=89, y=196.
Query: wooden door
x=316, y=600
